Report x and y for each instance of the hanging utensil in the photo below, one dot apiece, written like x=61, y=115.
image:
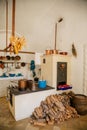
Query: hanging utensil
x=17, y=66
x=23, y=64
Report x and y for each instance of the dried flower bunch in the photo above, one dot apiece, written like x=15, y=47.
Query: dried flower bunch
x=17, y=43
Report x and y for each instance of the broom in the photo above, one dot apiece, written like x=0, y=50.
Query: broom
x=74, y=52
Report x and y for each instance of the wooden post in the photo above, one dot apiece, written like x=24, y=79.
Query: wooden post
x=13, y=18
x=6, y=23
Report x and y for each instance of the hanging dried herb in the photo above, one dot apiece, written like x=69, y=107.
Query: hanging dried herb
x=74, y=52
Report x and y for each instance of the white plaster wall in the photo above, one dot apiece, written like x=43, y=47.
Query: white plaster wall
x=35, y=19
x=3, y=88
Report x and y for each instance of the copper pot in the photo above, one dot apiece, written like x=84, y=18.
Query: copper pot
x=48, y=52
x=54, y=51
x=32, y=85
x=22, y=84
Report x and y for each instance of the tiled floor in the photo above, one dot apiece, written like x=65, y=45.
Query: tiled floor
x=7, y=122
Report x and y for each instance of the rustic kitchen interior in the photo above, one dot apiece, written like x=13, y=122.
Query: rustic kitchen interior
x=43, y=71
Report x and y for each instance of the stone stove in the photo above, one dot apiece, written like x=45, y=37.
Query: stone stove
x=22, y=103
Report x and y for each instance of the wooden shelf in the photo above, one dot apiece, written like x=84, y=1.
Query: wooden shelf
x=13, y=61
x=26, y=52
x=12, y=78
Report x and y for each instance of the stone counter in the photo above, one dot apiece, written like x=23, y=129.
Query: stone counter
x=16, y=91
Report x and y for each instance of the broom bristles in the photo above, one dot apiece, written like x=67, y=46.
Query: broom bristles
x=74, y=52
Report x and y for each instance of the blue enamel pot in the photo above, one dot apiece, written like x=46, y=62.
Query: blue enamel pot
x=42, y=84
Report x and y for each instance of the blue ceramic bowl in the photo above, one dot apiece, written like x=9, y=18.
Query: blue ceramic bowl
x=19, y=74
x=12, y=75
x=42, y=84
